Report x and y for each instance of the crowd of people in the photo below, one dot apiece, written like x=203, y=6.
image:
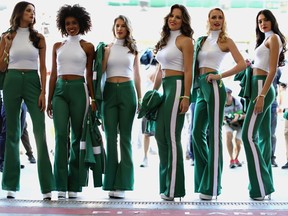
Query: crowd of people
x=188, y=72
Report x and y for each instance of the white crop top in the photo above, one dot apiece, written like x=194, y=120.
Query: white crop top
x=120, y=61
x=210, y=55
x=71, y=58
x=170, y=57
x=22, y=54
x=262, y=54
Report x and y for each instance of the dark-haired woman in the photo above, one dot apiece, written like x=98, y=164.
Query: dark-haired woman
x=211, y=98
x=22, y=52
x=69, y=91
x=256, y=131
x=175, y=54
x=121, y=93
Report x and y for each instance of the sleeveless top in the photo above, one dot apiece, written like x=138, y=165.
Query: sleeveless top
x=120, y=61
x=262, y=53
x=23, y=54
x=170, y=57
x=71, y=58
x=210, y=55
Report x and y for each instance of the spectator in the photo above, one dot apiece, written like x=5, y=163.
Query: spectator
x=233, y=120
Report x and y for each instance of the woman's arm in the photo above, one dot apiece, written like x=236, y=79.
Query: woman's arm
x=53, y=79
x=231, y=47
x=273, y=45
x=43, y=72
x=90, y=50
x=187, y=48
x=105, y=57
x=137, y=78
x=238, y=58
x=5, y=45
x=158, y=77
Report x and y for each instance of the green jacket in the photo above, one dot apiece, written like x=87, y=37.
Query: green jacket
x=245, y=82
x=245, y=77
x=92, y=153
x=195, y=72
x=97, y=70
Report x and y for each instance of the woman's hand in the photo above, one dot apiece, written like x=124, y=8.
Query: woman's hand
x=259, y=104
x=184, y=105
x=93, y=106
x=42, y=102
x=211, y=77
x=49, y=110
x=8, y=41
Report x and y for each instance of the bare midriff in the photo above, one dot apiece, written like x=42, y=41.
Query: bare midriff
x=257, y=71
x=204, y=70
x=167, y=73
x=118, y=79
x=70, y=77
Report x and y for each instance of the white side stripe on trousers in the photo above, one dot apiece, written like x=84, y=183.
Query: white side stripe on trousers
x=216, y=135
x=173, y=138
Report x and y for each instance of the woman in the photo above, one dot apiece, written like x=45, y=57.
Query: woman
x=210, y=102
x=68, y=98
x=121, y=63
x=175, y=54
x=256, y=131
x=21, y=49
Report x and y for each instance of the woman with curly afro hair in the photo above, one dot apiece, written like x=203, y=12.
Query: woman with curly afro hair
x=69, y=92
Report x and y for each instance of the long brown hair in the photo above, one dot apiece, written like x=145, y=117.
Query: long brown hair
x=16, y=17
x=129, y=41
x=185, y=27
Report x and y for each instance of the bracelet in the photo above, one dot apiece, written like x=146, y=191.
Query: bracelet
x=6, y=52
x=6, y=58
x=261, y=95
x=93, y=100
x=187, y=97
x=239, y=118
x=220, y=75
x=139, y=100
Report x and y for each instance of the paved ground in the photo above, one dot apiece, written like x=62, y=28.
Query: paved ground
x=233, y=200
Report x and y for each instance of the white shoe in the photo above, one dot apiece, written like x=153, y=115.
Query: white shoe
x=47, y=196
x=191, y=162
x=164, y=197
x=111, y=194
x=11, y=194
x=205, y=197
x=118, y=194
x=144, y=162
x=258, y=198
x=262, y=198
x=72, y=195
x=61, y=195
